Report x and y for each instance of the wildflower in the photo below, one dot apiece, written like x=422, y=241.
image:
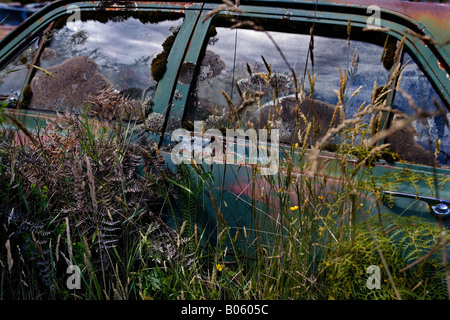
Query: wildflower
x=321, y=230
x=296, y=145
x=294, y=208
x=320, y=197
x=219, y=267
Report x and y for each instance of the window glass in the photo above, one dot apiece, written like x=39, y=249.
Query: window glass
x=427, y=141
x=12, y=76
x=235, y=68
x=121, y=56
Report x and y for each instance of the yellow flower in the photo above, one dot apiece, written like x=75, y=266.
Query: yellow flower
x=321, y=230
x=296, y=145
x=294, y=208
x=320, y=197
x=219, y=267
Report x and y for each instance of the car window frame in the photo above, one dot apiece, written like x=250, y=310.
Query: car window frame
x=417, y=48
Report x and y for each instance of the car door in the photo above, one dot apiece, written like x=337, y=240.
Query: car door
x=252, y=70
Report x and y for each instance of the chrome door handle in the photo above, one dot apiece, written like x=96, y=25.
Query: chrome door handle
x=439, y=208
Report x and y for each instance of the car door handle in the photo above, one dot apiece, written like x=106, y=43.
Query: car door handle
x=439, y=208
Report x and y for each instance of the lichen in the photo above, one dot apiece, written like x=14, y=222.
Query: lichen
x=78, y=37
x=48, y=54
x=216, y=121
x=389, y=53
x=159, y=63
x=159, y=66
x=48, y=36
x=148, y=106
x=155, y=122
x=403, y=143
x=317, y=112
x=75, y=81
x=212, y=64
x=259, y=82
x=27, y=95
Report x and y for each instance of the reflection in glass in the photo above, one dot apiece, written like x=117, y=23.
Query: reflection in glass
x=88, y=56
x=423, y=135
x=236, y=63
x=12, y=77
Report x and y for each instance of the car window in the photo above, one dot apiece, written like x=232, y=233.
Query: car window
x=241, y=65
x=12, y=76
x=99, y=61
x=426, y=141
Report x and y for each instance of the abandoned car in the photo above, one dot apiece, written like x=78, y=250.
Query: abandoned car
x=292, y=77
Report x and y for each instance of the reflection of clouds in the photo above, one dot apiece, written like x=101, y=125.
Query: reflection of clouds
x=123, y=42
x=329, y=55
x=328, y=52
x=122, y=49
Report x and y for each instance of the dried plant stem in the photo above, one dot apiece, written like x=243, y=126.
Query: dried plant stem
x=69, y=241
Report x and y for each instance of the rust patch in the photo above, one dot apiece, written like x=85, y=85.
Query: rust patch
x=442, y=67
x=183, y=5
x=111, y=5
x=433, y=16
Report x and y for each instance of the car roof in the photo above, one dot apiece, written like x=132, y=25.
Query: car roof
x=434, y=17
x=431, y=15
x=431, y=18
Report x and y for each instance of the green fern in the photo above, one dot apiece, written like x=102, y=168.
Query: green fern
x=192, y=188
x=189, y=199
x=405, y=240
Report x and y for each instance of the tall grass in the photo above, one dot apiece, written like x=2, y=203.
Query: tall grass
x=79, y=192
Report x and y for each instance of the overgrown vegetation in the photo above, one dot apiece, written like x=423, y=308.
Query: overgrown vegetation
x=79, y=192
x=94, y=193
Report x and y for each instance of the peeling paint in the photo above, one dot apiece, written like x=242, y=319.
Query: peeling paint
x=442, y=67
x=184, y=5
